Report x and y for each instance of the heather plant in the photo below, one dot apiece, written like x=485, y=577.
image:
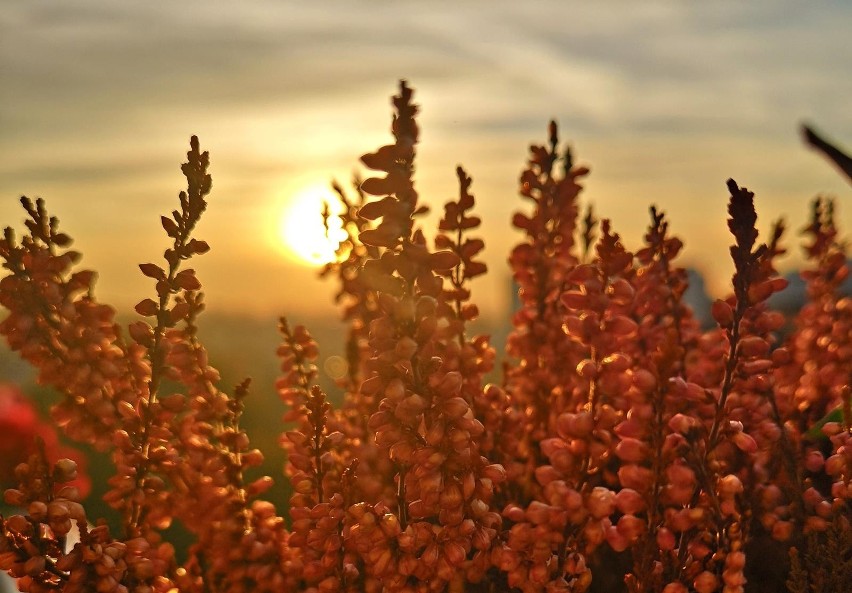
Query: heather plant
x=622, y=448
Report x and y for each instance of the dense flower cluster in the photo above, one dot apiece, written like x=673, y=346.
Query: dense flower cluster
x=624, y=448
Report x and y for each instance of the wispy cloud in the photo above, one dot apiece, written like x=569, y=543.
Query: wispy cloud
x=666, y=99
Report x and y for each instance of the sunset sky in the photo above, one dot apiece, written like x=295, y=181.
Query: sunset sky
x=664, y=101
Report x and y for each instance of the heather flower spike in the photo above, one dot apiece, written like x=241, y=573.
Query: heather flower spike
x=624, y=448
x=452, y=229
x=588, y=235
x=742, y=225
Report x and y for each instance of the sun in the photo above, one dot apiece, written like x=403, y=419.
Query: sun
x=302, y=232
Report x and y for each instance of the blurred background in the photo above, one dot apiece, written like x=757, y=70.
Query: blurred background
x=663, y=100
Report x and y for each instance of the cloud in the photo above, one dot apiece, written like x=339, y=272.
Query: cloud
x=98, y=98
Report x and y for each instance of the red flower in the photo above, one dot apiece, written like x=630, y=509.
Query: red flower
x=19, y=428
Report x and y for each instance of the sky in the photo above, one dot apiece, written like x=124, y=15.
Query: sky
x=663, y=100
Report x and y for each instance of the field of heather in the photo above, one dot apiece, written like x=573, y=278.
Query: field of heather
x=612, y=444
x=425, y=297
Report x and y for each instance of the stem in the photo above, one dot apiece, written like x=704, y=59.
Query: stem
x=458, y=280
x=788, y=456
x=157, y=357
x=727, y=382
x=644, y=567
x=190, y=212
x=318, y=428
x=402, y=506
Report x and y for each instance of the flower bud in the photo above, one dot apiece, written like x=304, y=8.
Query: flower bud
x=781, y=356
x=665, y=539
x=644, y=380
x=57, y=511
x=587, y=369
x=574, y=299
x=451, y=496
x=621, y=325
x=595, y=532
x=814, y=461
x=616, y=363
x=14, y=497
x=37, y=510
x=601, y=502
x=735, y=560
x=435, y=433
x=455, y=407
x=60, y=527
x=722, y=313
x=494, y=472
x=633, y=427
x=545, y=474
x=481, y=539
x=730, y=485
x=682, y=423
x=450, y=384
x=812, y=496
x=395, y=390
x=631, y=450
x=259, y=486
x=753, y=346
x=582, y=424
x=621, y=291
x=406, y=347
x=514, y=513
x=705, y=582
x=454, y=552
x=679, y=474
x=478, y=508
x=695, y=392
x=744, y=442
x=635, y=476
x=616, y=540
x=430, y=555
x=141, y=332
x=390, y=526
x=782, y=530
x=629, y=501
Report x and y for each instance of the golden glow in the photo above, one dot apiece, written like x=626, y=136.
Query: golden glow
x=302, y=232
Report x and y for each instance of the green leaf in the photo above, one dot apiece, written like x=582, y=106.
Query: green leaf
x=815, y=432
